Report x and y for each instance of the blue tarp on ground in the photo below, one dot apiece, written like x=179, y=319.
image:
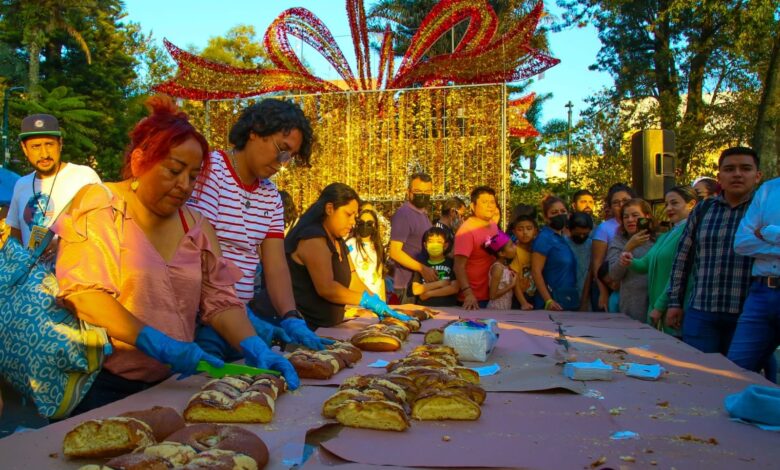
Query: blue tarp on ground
x=7, y=181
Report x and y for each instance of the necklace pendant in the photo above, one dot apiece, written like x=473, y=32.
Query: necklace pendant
x=247, y=204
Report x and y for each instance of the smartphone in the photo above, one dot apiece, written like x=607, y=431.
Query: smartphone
x=643, y=223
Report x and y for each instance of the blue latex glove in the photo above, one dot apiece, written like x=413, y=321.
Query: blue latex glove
x=267, y=331
x=182, y=357
x=258, y=354
x=301, y=334
x=378, y=306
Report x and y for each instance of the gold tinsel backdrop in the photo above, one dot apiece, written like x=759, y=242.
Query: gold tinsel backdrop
x=373, y=140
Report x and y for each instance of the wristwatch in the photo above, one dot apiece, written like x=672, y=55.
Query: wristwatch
x=292, y=314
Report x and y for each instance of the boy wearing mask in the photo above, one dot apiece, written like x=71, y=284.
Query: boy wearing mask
x=440, y=293
x=524, y=230
x=580, y=226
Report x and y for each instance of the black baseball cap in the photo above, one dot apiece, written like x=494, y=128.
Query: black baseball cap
x=40, y=124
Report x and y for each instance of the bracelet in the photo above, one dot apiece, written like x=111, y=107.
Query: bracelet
x=292, y=314
x=547, y=303
x=464, y=289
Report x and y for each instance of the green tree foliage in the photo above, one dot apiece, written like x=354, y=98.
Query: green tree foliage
x=694, y=67
x=105, y=80
x=42, y=22
x=240, y=47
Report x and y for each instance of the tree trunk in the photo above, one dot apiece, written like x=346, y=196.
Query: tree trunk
x=532, y=168
x=34, y=69
x=700, y=42
x=766, y=136
x=689, y=132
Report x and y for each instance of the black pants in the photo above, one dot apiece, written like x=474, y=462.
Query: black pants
x=109, y=388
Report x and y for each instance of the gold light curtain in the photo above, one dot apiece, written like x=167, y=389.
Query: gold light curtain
x=374, y=140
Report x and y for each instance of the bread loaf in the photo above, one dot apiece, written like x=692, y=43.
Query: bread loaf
x=236, y=399
x=326, y=363
x=380, y=337
x=366, y=412
x=162, y=419
x=175, y=455
x=100, y=438
x=445, y=404
x=206, y=437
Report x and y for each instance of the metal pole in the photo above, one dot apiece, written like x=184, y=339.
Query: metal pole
x=504, y=163
x=568, y=149
x=6, y=95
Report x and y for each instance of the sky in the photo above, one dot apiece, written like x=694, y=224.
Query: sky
x=193, y=22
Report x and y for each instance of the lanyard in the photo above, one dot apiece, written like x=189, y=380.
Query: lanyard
x=48, y=196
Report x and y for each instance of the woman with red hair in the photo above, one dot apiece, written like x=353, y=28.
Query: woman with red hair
x=136, y=261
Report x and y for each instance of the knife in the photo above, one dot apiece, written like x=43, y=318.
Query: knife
x=231, y=369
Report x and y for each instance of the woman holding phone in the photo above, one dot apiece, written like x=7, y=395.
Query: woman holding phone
x=680, y=200
x=636, y=235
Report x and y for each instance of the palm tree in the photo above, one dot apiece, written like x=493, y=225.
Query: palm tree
x=42, y=20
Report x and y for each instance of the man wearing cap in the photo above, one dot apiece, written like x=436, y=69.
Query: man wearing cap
x=40, y=196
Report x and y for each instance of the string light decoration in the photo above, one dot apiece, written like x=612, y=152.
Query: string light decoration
x=369, y=128
x=452, y=133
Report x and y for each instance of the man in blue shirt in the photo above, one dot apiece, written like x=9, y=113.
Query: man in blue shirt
x=758, y=236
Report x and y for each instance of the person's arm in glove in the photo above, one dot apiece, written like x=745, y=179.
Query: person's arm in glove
x=258, y=354
x=266, y=330
x=295, y=327
x=378, y=306
x=183, y=357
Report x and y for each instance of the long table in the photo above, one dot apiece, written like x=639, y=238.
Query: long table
x=533, y=416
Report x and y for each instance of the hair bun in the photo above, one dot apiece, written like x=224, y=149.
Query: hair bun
x=162, y=105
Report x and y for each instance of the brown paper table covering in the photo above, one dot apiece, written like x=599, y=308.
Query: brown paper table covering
x=680, y=418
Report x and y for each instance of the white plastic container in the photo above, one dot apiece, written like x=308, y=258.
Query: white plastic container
x=474, y=340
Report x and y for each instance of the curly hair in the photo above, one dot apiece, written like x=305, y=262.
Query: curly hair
x=269, y=117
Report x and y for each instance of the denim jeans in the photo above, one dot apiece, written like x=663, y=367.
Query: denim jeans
x=709, y=332
x=758, y=330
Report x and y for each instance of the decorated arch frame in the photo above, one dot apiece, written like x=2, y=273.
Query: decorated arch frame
x=374, y=140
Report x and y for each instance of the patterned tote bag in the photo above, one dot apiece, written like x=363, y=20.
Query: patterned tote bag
x=46, y=353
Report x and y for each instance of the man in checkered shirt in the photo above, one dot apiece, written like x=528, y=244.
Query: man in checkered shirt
x=721, y=277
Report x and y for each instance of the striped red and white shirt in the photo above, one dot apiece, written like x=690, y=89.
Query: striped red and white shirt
x=240, y=229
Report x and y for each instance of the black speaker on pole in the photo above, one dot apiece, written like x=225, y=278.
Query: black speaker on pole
x=653, y=163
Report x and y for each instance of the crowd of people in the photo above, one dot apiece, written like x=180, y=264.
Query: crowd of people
x=196, y=255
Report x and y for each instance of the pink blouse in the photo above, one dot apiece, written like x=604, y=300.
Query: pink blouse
x=102, y=249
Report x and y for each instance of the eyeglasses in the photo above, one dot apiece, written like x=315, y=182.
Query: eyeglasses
x=366, y=223
x=282, y=156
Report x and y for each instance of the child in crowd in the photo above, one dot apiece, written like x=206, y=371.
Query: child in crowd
x=366, y=251
x=524, y=230
x=613, y=294
x=502, y=279
x=440, y=293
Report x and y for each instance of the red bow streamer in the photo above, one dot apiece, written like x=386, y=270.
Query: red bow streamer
x=515, y=115
x=481, y=56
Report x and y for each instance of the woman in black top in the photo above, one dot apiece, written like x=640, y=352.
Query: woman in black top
x=320, y=266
